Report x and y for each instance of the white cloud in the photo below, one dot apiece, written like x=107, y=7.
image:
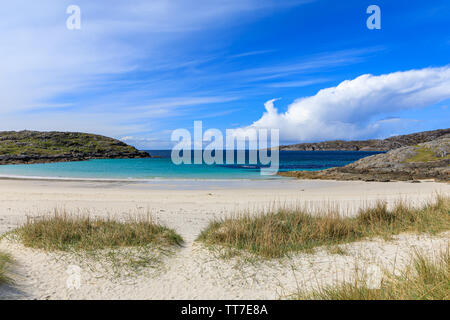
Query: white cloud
x=350, y=110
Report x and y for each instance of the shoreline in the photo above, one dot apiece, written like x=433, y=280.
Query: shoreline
x=158, y=180
x=135, y=180
x=206, y=181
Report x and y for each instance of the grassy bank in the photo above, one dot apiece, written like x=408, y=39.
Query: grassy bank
x=5, y=262
x=282, y=231
x=423, y=279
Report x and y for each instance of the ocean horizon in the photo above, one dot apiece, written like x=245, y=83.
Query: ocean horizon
x=160, y=166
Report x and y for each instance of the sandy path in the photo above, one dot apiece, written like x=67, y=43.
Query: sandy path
x=193, y=272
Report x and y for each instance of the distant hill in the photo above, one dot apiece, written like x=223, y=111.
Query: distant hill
x=40, y=147
x=370, y=145
x=428, y=160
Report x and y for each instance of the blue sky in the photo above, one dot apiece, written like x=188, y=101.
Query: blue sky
x=139, y=69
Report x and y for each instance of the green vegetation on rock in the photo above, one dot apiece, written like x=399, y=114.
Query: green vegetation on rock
x=427, y=154
x=36, y=147
x=428, y=160
x=373, y=144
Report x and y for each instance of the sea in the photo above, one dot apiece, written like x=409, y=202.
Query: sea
x=160, y=166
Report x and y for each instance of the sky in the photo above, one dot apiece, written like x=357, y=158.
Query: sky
x=139, y=69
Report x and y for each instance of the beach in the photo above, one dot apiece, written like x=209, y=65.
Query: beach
x=232, y=150
x=187, y=206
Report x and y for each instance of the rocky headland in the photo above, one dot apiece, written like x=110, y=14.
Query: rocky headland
x=370, y=145
x=17, y=147
x=427, y=160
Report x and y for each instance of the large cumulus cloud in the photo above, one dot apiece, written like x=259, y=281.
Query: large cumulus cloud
x=354, y=108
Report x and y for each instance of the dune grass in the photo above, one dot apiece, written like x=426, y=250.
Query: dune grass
x=64, y=232
x=423, y=279
x=101, y=243
x=5, y=262
x=280, y=232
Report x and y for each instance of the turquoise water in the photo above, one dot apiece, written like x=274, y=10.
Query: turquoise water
x=163, y=168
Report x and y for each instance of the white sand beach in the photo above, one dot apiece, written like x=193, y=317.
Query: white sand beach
x=193, y=272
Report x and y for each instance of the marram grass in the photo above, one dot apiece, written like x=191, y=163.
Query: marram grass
x=5, y=262
x=123, y=247
x=66, y=232
x=280, y=232
x=424, y=279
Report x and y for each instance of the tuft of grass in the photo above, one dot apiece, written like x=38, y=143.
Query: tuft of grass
x=337, y=250
x=66, y=232
x=5, y=262
x=104, y=243
x=423, y=279
x=279, y=232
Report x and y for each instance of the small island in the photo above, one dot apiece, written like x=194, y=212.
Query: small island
x=26, y=147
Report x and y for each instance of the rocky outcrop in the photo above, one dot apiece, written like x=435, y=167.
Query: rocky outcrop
x=370, y=145
x=429, y=160
x=41, y=147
